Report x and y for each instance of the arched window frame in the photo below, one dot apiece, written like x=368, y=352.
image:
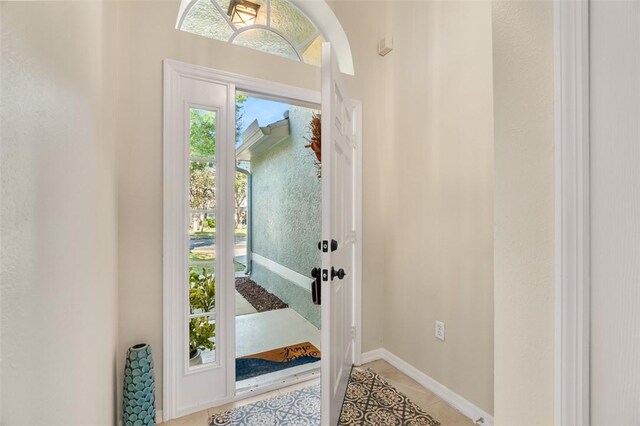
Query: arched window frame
x=317, y=12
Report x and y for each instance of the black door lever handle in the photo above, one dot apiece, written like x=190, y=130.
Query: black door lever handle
x=316, y=291
x=339, y=273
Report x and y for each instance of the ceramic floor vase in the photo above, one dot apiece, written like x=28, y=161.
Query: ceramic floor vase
x=139, y=405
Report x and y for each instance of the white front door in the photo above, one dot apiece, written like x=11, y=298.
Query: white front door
x=338, y=224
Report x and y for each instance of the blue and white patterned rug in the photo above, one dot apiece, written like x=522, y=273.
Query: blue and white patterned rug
x=299, y=408
x=370, y=400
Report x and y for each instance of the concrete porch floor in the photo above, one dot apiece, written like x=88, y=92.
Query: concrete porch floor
x=262, y=331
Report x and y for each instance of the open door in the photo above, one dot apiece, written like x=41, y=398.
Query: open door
x=338, y=237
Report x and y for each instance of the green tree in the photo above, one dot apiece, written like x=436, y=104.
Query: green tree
x=240, y=195
x=241, y=179
x=202, y=133
x=240, y=100
x=202, y=177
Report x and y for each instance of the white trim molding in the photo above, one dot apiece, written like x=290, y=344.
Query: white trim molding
x=466, y=407
x=257, y=87
x=371, y=356
x=282, y=271
x=572, y=212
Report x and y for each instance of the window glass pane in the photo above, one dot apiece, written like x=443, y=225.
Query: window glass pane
x=202, y=340
x=202, y=137
x=205, y=20
x=202, y=237
x=286, y=18
x=262, y=11
x=224, y=4
x=242, y=220
x=312, y=54
x=202, y=185
x=267, y=41
x=202, y=290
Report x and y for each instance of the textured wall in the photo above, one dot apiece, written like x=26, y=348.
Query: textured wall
x=286, y=214
x=58, y=287
x=524, y=212
x=438, y=194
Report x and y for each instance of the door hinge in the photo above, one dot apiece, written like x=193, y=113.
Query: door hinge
x=353, y=333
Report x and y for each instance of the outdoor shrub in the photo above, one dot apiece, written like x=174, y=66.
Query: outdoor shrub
x=202, y=298
x=211, y=222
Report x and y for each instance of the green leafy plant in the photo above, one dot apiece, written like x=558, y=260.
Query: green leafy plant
x=202, y=298
x=200, y=331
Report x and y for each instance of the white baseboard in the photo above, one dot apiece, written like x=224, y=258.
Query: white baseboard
x=466, y=407
x=370, y=356
x=283, y=271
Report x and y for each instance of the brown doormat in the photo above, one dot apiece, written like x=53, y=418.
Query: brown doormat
x=257, y=296
x=276, y=360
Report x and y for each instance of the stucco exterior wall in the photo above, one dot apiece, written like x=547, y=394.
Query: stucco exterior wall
x=286, y=214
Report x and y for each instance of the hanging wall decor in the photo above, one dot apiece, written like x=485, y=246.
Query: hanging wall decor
x=139, y=405
x=315, y=140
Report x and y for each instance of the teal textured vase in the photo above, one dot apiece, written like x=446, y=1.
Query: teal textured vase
x=139, y=406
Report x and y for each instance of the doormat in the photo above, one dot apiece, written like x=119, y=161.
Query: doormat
x=257, y=296
x=300, y=407
x=370, y=400
x=276, y=360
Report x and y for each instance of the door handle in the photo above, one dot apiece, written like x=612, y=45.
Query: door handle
x=316, y=289
x=339, y=273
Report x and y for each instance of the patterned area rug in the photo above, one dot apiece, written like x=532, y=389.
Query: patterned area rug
x=369, y=401
x=299, y=408
x=372, y=401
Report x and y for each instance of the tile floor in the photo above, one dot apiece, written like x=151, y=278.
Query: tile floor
x=432, y=404
x=427, y=400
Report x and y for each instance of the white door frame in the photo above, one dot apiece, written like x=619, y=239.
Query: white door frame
x=571, y=34
x=273, y=91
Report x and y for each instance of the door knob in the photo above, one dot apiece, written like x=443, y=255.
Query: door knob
x=339, y=273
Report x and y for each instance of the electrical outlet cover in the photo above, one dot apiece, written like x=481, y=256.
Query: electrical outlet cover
x=440, y=330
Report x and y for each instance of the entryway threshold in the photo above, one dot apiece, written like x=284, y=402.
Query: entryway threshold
x=277, y=380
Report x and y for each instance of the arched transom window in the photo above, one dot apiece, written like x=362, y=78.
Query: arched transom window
x=273, y=26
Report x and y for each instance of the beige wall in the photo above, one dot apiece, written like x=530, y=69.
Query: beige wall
x=58, y=224
x=438, y=199
x=142, y=49
x=371, y=86
x=524, y=212
x=428, y=194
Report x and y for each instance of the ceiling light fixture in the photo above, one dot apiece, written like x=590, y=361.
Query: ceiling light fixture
x=243, y=12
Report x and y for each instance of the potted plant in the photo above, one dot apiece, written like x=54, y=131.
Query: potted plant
x=202, y=298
